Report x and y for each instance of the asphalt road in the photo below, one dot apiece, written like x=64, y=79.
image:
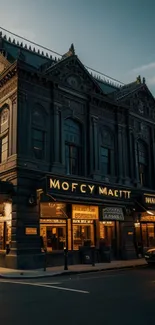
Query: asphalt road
x=116, y=297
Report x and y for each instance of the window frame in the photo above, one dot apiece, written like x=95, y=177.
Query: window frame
x=108, y=156
x=39, y=149
x=142, y=163
x=38, y=125
x=73, y=140
x=4, y=133
x=108, y=145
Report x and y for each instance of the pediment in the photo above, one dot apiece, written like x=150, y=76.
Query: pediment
x=4, y=63
x=71, y=73
x=140, y=101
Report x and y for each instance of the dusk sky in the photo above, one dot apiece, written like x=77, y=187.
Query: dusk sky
x=116, y=37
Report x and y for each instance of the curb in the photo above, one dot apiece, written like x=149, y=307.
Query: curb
x=64, y=273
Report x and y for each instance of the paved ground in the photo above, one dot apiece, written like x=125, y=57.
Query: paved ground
x=113, y=297
x=81, y=268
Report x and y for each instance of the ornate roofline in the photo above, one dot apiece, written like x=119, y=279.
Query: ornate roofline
x=39, y=50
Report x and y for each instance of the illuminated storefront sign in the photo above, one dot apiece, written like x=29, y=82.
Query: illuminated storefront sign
x=31, y=231
x=84, y=212
x=67, y=186
x=149, y=198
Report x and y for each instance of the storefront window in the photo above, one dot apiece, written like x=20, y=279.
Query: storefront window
x=5, y=225
x=147, y=233
x=83, y=235
x=84, y=232
x=53, y=222
x=107, y=232
x=54, y=236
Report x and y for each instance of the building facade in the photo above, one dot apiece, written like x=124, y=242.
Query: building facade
x=77, y=160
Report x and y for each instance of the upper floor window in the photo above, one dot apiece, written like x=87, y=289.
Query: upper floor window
x=4, y=134
x=142, y=163
x=73, y=139
x=105, y=161
x=106, y=152
x=38, y=132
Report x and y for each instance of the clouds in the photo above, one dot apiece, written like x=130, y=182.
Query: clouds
x=144, y=67
x=148, y=71
x=151, y=81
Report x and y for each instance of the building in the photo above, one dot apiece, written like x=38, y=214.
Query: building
x=77, y=160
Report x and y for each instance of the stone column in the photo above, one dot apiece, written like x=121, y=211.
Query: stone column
x=56, y=134
x=153, y=155
x=131, y=153
x=150, y=160
x=58, y=158
x=120, y=154
x=95, y=145
x=125, y=154
x=137, y=180
x=25, y=250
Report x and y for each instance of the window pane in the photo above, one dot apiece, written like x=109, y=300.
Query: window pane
x=105, y=161
x=67, y=159
x=72, y=159
x=4, y=120
x=38, y=143
x=4, y=149
x=38, y=135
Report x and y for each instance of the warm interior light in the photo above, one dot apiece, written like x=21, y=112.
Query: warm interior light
x=149, y=212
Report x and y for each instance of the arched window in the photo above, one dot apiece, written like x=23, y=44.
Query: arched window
x=106, y=152
x=142, y=162
x=38, y=132
x=73, y=139
x=4, y=136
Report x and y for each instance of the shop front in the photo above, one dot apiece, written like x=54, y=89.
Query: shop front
x=80, y=216
x=111, y=229
x=145, y=222
x=6, y=191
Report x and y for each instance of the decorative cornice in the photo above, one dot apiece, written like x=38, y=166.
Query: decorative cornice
x=7, y=88
x=8, y=74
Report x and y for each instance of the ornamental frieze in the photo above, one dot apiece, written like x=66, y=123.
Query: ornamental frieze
x=8, y=88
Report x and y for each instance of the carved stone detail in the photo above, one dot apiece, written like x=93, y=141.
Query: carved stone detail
x=74, y=75
x=8, y=87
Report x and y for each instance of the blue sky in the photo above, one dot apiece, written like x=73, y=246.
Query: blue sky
x=116, y=37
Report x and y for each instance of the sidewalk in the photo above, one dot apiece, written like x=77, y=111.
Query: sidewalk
x=72, y=269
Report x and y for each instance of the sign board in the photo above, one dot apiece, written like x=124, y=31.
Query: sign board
x=31, y=231
x=87, y=189
x=84, y=212
x=149, y=199
x=111, y=213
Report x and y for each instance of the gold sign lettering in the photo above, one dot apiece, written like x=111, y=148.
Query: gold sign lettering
x=87, y=188
x=82, y=188
x=65, y=186
x=150, y=200
x=55, y=183
x=116, y=193
x=103, y=190
x=110, y=192
x=91, y=187
x=74, y=185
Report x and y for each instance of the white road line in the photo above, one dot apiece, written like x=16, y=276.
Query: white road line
x=44, y=286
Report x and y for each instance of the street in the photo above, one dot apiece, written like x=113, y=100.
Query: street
x=116, y=297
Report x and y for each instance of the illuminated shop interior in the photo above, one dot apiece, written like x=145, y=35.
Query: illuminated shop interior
x=145, y=229
x=5, y=224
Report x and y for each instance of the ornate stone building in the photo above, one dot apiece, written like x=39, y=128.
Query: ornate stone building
x=77, y=160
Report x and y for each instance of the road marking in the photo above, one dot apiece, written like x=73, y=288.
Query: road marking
x=44, y=286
